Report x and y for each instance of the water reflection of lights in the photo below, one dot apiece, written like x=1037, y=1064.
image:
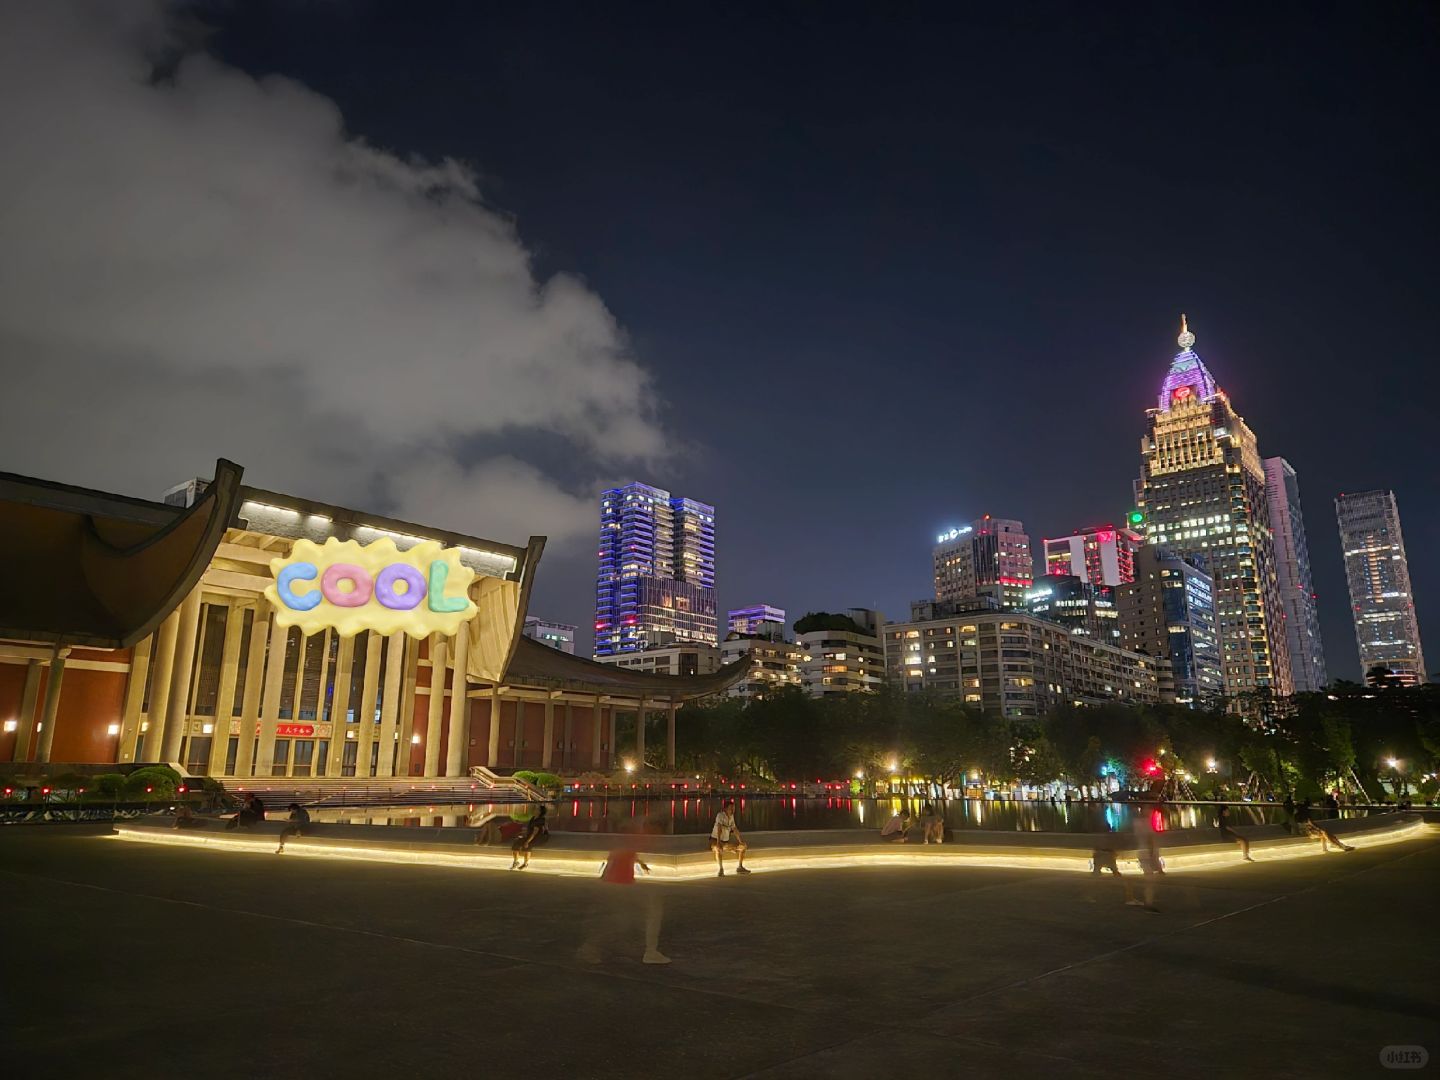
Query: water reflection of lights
x=690, y=813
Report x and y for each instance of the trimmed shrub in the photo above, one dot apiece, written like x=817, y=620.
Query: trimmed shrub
x=160, y=779
x=70, y=781
x=109, y=784
x=545, y=781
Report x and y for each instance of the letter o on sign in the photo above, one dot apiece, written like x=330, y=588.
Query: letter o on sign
x=414, y=587
x=361, y=585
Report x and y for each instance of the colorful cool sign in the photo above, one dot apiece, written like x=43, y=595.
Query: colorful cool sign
x=378, y=587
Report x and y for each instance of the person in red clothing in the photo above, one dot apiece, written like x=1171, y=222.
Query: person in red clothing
x=624, y=906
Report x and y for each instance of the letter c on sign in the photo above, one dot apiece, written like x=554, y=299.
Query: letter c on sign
x=358, y=596
x=300, y=571
x=414, y=590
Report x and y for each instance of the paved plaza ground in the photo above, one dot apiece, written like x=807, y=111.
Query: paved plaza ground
x=136, y=960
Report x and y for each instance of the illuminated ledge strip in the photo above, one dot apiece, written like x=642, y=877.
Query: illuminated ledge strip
x=694, y=866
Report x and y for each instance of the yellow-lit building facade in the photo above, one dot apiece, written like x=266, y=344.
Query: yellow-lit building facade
x=173, y=645
x=1202, y=493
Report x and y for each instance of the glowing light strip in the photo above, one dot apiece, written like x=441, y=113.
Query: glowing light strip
x=693, y=866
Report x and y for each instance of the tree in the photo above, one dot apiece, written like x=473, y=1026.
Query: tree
x=1036, y=761
x=825, y=620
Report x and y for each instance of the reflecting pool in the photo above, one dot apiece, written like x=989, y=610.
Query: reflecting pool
x=763, y=813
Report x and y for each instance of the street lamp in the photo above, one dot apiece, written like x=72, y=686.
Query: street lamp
x=629, y=766
x=1394, y=763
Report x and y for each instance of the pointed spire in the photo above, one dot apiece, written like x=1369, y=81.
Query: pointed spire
x=1186, y=339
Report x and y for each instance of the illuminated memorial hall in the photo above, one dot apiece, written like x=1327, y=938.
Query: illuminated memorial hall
x=247, y=633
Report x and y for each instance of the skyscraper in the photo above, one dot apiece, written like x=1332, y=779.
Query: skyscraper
x=1202, y=493
x=1386, y=628
x=1102, y=555
x=656, y=581
x=1168, y=612
x=1292, y=569
x=954, y=565
x=990, y=555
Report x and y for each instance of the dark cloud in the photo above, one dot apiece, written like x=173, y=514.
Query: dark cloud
x=198, y=262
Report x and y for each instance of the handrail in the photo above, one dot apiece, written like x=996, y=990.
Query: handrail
x=494, y=781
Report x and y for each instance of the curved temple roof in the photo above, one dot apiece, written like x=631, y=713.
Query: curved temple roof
x=535, y=664
x=88, y=568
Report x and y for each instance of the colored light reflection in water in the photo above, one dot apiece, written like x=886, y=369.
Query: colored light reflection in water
x=696, y=814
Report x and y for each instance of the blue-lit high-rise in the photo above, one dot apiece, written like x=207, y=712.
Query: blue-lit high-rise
x=1169, y=611
x=656, y=580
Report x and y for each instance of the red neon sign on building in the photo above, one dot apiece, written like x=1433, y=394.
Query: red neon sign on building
x=301, y=731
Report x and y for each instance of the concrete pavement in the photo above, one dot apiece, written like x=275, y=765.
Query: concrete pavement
x=135, y=959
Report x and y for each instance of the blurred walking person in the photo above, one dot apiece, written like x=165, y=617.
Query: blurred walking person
x=1222, y=822
x=1147, y=852
x=618, y=909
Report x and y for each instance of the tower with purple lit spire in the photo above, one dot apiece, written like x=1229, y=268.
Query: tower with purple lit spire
x=1202, y=494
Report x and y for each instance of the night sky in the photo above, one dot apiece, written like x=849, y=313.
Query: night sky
x=895, y=266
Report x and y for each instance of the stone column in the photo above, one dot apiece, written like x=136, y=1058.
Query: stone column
x=517, y=733
x=595, y=738
x=458, y=745
x=492, y=751
x=569, y=738
x=390, y=703
x=225, y=697
x=25, y=726
x=51, y=709
x=436, y=710
x=340, y=706
x=407, y=705
x=365, y=708
x=614, y=760
x=297, y=696
x=134, y=698
x=670, y=736
x=640, y=734
x=153, y=740
x=324, y=684
x=549, y=733
x=254, y=684
x=270, y=700
x=177, y=716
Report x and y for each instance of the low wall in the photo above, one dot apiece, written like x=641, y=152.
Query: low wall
x=687, y=856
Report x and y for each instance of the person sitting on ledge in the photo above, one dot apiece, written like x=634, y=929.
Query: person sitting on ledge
x=897, y=828
x=1315, y=832
x=725, y=836
x=537, y=829
x=299, y=822
x=252, y=813
x=1104, y=859
x=185, y=817
x=932, y=825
